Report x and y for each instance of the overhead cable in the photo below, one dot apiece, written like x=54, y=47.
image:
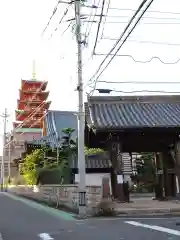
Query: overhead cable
x=140, y=91
x=52, y=15
x=145, y=17
x=65, y=30
x=122, y=35
x=139, y=82
x=92, y=16
x=141, y=61
x=60, y=21
x=142, y=41
x=99, y=25
x=149, y=11
x=145, y=23
x=105, y=18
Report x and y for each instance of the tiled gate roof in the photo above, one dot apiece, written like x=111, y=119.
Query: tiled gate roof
x=133, y=112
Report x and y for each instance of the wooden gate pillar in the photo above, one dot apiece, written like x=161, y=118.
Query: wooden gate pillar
x=159, y=177
x=177, y=167
x=118, y=171
x=167, y=188
x=168, y=170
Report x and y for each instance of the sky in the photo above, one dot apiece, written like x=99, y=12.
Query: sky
x=22, y=23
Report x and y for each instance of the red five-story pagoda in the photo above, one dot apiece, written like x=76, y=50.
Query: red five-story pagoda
x=31, y=106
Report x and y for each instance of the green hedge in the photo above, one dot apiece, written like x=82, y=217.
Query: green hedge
x=53, y=176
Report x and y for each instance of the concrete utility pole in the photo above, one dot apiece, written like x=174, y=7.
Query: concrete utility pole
x=9, y=161
x=4, y=116
x=81, y=115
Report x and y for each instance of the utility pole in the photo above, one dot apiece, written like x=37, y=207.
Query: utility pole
x=81, y=115
x=9, y=161
x=4, y=116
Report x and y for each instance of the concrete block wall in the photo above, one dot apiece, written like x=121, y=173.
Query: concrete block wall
x=66, y=195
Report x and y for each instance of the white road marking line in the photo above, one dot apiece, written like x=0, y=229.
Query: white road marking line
x=133, y=218
x=79, y=223
x=156, y=228
x=45, y=236
x=1, y=238
x=91, y=226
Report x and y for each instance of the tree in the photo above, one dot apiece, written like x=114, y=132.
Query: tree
x=29, y=167
x=38, y=165
x=145, y=165
x=71, y=145
x=67, y=141
x=145, y=178
x=91, y=151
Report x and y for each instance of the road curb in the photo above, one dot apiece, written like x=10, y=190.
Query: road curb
x=39, y=206
x=146, y=212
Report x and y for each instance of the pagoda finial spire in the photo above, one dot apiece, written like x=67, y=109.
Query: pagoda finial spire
x=34, y=70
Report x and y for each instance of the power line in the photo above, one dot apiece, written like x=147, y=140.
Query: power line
x=143, y=41
x=145, y=23
x=141, y=61
x=87, y=33
x=131, y=20
x=52, y=15
x=66, y=29
x=139, y=91
x=107, y=10
x=88, y=23
x=145, y=17
x=99, y=25
x=60, y=21
x=138, y=82
x=121, y=36
x=149, y=11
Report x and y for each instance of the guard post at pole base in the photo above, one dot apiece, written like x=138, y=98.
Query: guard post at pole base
x=82, y=198
x=82, y=204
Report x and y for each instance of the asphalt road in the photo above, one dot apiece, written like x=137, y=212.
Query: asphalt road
x=24, y=220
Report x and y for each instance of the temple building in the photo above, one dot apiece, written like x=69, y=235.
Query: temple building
x=96, y=165
x=32, y=106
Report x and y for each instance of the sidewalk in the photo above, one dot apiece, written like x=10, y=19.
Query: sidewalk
x=147, y=207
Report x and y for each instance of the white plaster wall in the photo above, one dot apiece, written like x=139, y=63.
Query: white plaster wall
x=16, y=152
x=94, y=179
x=27, y=136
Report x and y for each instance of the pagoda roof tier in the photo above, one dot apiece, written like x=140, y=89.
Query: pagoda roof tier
x=28, y=106
x=26, y=130
x=35, y=83
x=17, y=125
x=37, y=111
x=21, y=116
x=42, y=96
x=33, y=91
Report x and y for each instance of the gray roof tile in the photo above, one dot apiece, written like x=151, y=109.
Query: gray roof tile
x=95, y=161
x=55, y=121
x=133, y=112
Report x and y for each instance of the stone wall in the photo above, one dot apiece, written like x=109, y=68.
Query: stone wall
x=61, y=195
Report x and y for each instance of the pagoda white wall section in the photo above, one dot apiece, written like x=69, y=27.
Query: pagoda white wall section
x=18, y=143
